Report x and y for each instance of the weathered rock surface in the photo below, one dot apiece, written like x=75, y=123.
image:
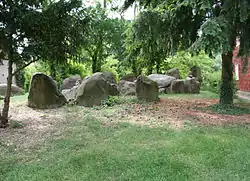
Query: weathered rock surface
x=192, y=86
x=147, y=89
x=127, y=88
x=162, y=80
x=70, y=94
x=129, y=77
x=195, y=71
x=96, y=88
x=43, y=93
x=177, y=86
x=70, y=82
x=15, y=90
x=174, y=72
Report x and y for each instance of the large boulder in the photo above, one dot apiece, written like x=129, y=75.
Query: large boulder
x=162, y=80
x=195, y=71
x=70, y=82
x=127, y=88
x=70, y=94
x=108, y=76
x=147, y=89
x=191, y=85
x=15, y=90
x=174, y=72
x=43, y=93
x=96, y=88
x=177, y=86
x=129, y=77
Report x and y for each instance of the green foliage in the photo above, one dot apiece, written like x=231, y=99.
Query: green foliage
x=62, y=71
x=39, y=30
x=184, y=61
x=16, y=124
x=228, y=109
x=111, y=65
x=75, y=68
x=31, y=70
x=104, y=38
x=204, y=94
x=212, y=26
x=111, y=101
x=125, y=151
x=116, y=100
x=212, y=81
x=146, y=42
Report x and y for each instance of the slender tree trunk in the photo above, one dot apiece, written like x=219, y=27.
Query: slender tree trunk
x=158, y=67
x=5, y=112
x=134, y=69
x=52, y=71
x=104, y=4
x=150, y=69
x=226, y=89
x=94, y=65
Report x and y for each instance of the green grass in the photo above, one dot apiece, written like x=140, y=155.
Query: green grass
x=92, y=151
x=17, y=98
x=89, y=150
x=228, y=109
x=203, y=94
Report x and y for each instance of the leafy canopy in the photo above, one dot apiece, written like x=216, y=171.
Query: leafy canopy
x=41, y=30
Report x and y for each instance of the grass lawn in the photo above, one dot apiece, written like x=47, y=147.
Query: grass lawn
x=203, y=94
x=84, y=147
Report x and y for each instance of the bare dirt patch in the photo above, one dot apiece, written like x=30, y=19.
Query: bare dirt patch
x=43, y=125
x=176, y=112
x=38, y=126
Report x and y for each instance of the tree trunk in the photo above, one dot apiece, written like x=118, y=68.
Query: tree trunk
x=150, y=70
x=5, y=112
x=134, y=68
x=104, y=4
x=150, y=66
x=158, y=67
x=52, y=71
x=226, y=89
x=95, y=65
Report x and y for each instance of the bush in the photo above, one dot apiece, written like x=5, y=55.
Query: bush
x=211, y=82
x=32, y=69
x=111, y=65
x=75, y=69
x=63, y=71
x=228, y=109
x=111, y=101
x=184, y=61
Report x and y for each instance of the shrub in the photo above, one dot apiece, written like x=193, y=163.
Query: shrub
x=211, y=81
x=228, y=109
x=63, y=71
x=73, y=68
x=32, y=69
x=111, y=101
x=111, y=65
x=184, y=61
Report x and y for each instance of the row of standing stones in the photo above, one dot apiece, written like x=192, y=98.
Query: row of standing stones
x=92, y=90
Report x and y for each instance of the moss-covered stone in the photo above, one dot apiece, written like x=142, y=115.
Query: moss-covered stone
x=43, y=93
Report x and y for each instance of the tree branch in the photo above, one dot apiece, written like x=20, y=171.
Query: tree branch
x=24, y=66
